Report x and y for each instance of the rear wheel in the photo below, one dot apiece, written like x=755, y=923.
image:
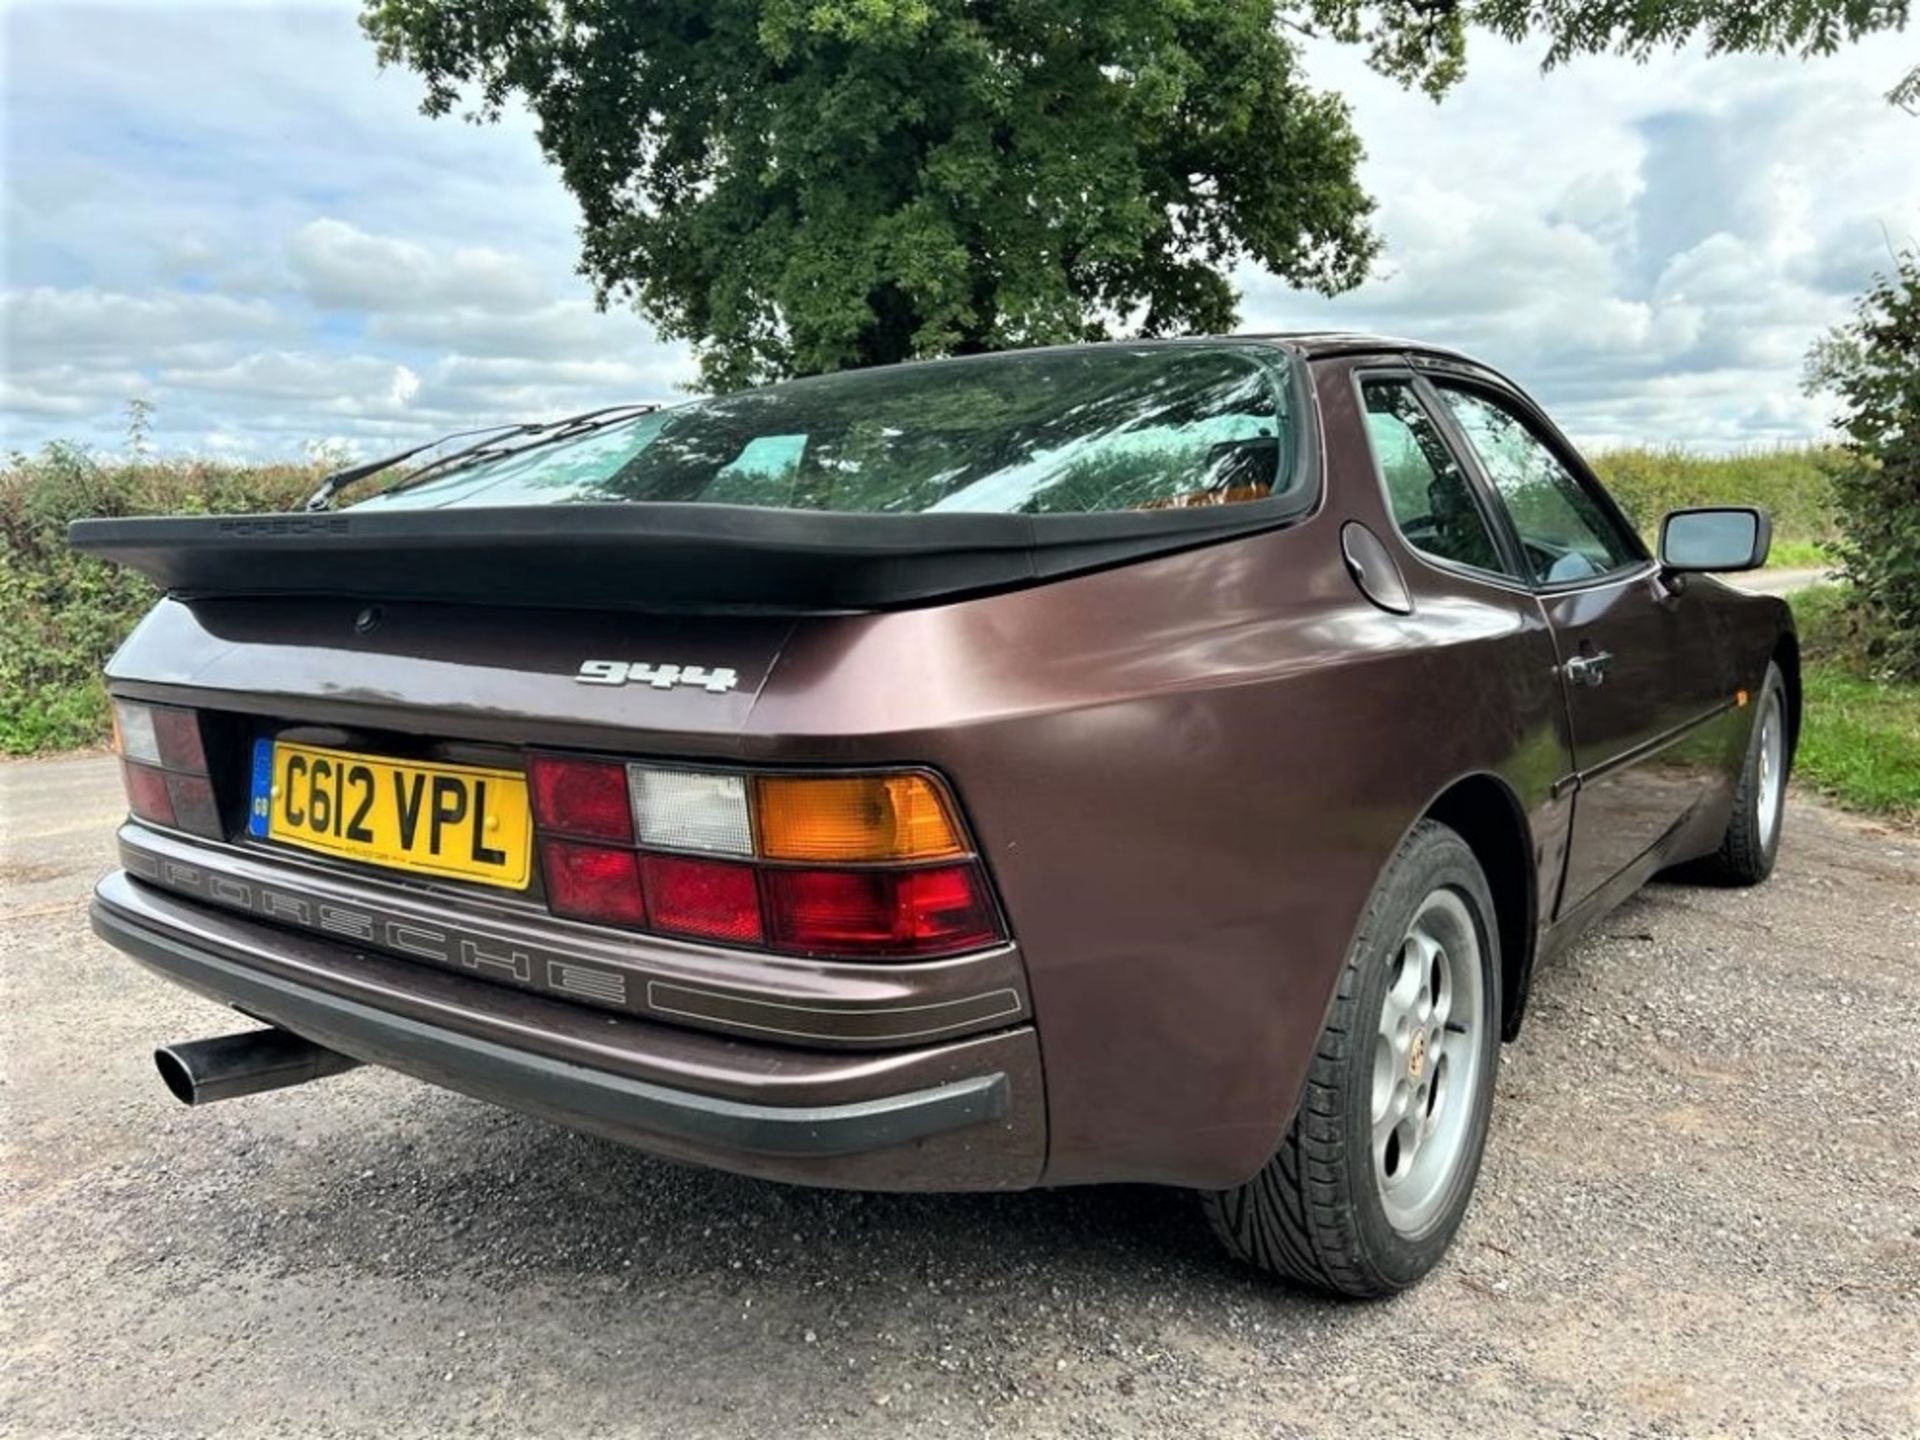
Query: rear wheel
x=1366, y=1190
x=1752, y=841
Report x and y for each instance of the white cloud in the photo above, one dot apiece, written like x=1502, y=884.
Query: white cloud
x=33, y=396
x=559, y=330
x=341, y=267
x=353, y=382
x=47, y=324
x=1650, y=248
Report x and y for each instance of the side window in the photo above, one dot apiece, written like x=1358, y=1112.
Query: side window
x=1563, y=531
x=1426, y=489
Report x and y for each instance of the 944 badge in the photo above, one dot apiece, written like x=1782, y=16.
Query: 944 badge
x=715, y=681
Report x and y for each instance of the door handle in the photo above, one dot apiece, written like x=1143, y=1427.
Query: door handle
x=1589, y=669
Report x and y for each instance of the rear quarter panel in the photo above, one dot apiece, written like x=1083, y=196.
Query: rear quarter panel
x=1187, y=776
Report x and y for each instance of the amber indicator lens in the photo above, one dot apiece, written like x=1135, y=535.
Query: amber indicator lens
x=856, y=818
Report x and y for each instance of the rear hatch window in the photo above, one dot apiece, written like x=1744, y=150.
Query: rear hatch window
x=1075, y=431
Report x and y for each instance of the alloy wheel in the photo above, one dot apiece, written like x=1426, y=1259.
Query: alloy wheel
x=1428, y=1061
x=1773, y=766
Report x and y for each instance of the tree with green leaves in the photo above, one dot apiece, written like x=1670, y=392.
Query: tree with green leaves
x=1871, y=366
x=797, y=186
x=1641, y=29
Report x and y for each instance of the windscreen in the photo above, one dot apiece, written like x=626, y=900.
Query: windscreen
x=1045, y=432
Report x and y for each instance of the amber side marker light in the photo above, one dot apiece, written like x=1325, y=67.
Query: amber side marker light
x=847, y=867
x=163, y=763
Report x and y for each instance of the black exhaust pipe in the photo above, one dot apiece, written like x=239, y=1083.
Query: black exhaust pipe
x=203, y=1071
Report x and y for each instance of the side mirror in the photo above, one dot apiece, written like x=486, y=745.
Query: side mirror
x=1715, y=537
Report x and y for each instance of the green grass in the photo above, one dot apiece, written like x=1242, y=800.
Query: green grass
x=1860, y=736
x=1799, y=555
x=1861, y=743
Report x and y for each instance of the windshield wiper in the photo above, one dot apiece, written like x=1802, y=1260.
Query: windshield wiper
x=542, y=433
x=332, y=485
x=545, y=432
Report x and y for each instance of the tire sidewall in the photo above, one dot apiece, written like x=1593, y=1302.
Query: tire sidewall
x=1436, y=858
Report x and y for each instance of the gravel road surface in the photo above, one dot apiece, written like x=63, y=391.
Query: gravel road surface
x=1700, y=1215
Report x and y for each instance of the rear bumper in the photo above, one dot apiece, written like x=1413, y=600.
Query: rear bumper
x=965, y=1115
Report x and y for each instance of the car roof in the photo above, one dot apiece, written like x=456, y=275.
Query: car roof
x=1320, y=344
x=1303, y=344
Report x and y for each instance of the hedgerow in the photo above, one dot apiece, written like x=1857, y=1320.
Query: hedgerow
x=62, y=614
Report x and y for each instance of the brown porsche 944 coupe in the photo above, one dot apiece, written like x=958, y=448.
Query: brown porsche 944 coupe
x=1154, y=762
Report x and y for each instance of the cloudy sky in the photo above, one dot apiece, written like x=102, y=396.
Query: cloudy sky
x=229, y=211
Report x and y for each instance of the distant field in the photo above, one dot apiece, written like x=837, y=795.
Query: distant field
x=1793, y=483
x=61, y=615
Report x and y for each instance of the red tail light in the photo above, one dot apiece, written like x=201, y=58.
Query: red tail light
x=866, y=866
x=880, y=912
x=193, y=805
x=582, y=797
x=710, y=899
x=593, y=882
x=147, y=793
x=164, y=764
x=178, y=734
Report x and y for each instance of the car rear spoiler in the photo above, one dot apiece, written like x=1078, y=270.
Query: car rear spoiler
x=647, y=556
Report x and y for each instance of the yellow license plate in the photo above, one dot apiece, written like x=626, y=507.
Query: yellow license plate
x=458, y=821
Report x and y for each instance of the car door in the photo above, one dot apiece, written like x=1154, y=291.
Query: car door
x=1642, y=679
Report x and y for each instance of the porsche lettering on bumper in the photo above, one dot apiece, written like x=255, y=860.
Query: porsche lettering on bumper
x=427, y=930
